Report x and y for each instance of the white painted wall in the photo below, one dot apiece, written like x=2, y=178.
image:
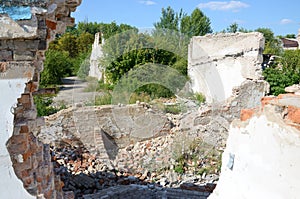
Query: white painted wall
x=96, y=54
x=10, y=186
x=266, y=161
x=220, y=62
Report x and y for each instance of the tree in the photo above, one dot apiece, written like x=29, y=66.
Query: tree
x=292, y=36
x=272, y=44
x=57, y=65
x=195, y=25
x=84, y=42
x=286, y=75
x=233, y=28
x=68, y=43
x=169, y=20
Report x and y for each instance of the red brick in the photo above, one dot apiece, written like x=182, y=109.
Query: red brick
x=25, y=173
x=247, y=114
x=48, y=194
x=25, y=98
x=31, y=87
x=24, y=129
x=51, y=24
x=294, y=114
x=27, y=154
x=266, y=100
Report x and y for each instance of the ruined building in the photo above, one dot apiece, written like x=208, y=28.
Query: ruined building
x=261, y=155
x=95, y=69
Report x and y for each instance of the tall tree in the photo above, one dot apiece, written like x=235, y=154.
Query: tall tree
x=272, y=43
x=67, y=42
x=233, y=28
x=169, y=20
x=195, y=25
x=191, y=25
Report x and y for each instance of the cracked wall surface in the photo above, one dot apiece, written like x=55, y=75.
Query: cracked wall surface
x=219, y=63
x=26, y=28
x=261, y=159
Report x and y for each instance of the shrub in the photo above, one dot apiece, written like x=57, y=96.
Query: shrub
x=103, y=99
x=200, y=97
x=142, y=97
x=44, y=105
x=173, y=109
x=285, y=72
x=57, y=65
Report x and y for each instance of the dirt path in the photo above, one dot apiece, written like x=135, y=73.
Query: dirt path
x=72, y=91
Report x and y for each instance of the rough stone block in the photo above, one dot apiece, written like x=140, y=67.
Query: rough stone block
x=24, y=55
x=42, y=45
x=6, y=55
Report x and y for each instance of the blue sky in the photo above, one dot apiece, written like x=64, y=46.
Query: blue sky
x=283, y=17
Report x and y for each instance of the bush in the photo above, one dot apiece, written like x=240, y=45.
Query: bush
x=57, y=65
x=103, y=99
x=142, y=97
x=173, y=109
x=44, y=105
x=285, y=72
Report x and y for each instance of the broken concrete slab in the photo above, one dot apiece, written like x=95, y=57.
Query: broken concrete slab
x=220, y=62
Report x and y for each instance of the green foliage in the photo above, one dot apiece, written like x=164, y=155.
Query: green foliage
x=84, y=42
x=200, y=98
x=285, y=73
x=272, y=44
x=141, y=97
x=104, y=99
x=205, y=157
x=108, y=29
x=179, y=169
x=194, y=25
x=44, y=105
x=173, y=109
x=68, y=43
x=57, y=65
x=233, y=28
x=84, y=65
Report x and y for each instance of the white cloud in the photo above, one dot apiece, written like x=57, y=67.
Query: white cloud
x=285, y=21
x=234, y=6
x=148, y=2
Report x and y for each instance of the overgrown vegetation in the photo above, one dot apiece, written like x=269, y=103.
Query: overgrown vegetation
x=284, y=72
x=195, y=153
x=44, y=105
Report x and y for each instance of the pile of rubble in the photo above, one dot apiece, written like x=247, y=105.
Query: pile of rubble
x=84, y=173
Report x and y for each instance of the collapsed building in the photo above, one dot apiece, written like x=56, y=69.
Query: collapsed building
x=225, y=67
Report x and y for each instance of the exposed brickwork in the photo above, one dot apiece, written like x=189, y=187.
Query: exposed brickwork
x=294, y=114
x=288, y=105
x=247, y=114
x=22, y=57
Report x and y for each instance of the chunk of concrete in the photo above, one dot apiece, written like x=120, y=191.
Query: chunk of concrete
x=220, y=62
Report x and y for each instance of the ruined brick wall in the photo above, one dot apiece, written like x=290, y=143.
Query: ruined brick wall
x=22, y=46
